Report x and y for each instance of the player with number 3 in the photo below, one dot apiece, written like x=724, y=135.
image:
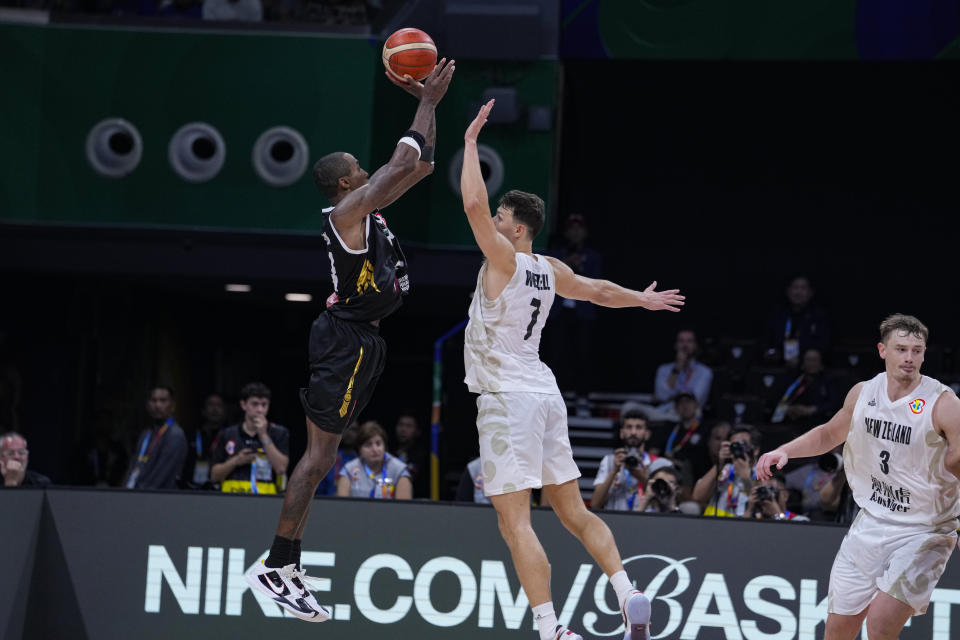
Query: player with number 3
x=522, y=418
x=901, y=456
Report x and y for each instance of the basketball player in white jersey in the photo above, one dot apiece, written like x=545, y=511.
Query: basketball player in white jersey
x=522, y=418
x=902, y=460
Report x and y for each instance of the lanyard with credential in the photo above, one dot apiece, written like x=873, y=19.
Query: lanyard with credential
x=199, y=445
x=146, y=448
x=793, y=388
x=683, y=441
x=383, y=478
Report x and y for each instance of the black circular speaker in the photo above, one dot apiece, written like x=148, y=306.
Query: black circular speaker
x=114, y=147
x=197, y=152
x=280, y=156
x=491, y=167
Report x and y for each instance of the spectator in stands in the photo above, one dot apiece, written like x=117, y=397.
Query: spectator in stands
x=624, y=471
x=202, y=443
x=836, y=498
x=374, y=473
x=409, y=448
x=252, y=457
x=768, y=501
x=719, y=433
x=161, y=448
x=809, y=479
x=14, y=458
x=724, y=489
x=797, y=326
x=470, y=488
x=686, y=443
x=572, y=322
x=809, y=400
x=683, y=375
x=660, y=494
x=346, y=452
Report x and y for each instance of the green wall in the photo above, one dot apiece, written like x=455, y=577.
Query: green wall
x=330, y=89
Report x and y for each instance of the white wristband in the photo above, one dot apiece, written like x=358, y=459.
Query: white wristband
x=413, y=143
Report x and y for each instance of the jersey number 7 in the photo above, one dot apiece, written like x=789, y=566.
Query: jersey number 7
x=535, y=303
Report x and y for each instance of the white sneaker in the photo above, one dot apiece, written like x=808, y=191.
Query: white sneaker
x=563, y=633
x=636, y=616
x=285, y=587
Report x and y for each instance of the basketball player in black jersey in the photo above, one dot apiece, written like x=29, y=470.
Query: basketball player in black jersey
x=346, y=350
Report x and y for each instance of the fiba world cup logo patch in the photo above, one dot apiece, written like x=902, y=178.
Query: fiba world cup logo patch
x=917, y=406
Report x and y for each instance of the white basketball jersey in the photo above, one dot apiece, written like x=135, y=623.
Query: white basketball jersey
x=894, y=457
x=501, y=349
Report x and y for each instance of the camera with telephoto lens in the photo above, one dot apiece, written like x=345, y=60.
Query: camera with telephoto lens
x=830, y=462
x=765, y=492
x=632, y=460
x=661, y=489
x=739, y=450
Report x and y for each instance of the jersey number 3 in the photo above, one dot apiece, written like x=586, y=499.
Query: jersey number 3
x=535, y=303
x=884, y=460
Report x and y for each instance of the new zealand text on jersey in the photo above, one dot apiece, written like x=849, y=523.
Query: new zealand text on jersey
x=539, y=281
x=886, y=430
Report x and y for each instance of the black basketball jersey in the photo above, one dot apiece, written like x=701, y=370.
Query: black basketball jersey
x=365, y=281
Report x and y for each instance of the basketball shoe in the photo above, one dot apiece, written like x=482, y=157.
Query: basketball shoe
x=286, y=587
x=636, y=616
x=563, y=633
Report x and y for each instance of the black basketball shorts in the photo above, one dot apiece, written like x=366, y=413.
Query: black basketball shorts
x=346, y=360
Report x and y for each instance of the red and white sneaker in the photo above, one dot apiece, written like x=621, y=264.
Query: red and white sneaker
x=285, y=586
x=563, y=633
x=636, y=616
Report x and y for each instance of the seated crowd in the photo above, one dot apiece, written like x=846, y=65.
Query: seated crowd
x=690, y=447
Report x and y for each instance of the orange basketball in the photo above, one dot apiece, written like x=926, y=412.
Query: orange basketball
x=409, y=51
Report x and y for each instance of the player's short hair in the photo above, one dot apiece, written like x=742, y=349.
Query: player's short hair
x=905, y=323
x=254, y=390
x=368, y=430
x=528, y=209
x=327, y=172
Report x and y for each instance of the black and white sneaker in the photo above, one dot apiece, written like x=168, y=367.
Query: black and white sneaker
x=636, y=617
x=286, y=587
x=562, y=633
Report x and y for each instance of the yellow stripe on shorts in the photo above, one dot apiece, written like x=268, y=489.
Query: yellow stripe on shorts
x=349, y=394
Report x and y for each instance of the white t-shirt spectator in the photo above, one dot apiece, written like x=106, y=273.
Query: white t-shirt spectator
x=623, y=489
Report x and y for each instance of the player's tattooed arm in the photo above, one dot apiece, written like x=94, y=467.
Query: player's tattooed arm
x=390, y=181
x=946, y=420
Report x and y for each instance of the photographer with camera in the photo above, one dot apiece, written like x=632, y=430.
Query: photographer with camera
x=768, y=501
x=660, y=495
x=252, y=457
x=725, y=489
x=624, y=472
x=809, y=479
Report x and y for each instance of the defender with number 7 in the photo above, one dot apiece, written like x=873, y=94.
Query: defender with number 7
x=522, y=418
x=901, y=456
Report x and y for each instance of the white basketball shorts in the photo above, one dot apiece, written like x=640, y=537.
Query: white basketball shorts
x=523, y=441
x=904, y=561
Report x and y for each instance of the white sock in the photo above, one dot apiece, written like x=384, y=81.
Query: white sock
x=622, y=585
x=546, y=620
